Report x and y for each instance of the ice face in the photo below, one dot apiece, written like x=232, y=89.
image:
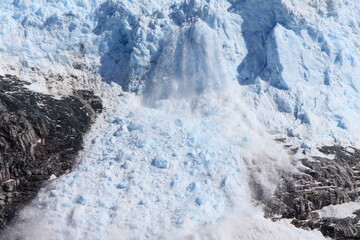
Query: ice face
x=297, y=61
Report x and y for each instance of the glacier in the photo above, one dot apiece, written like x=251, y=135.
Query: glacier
x=195, y=92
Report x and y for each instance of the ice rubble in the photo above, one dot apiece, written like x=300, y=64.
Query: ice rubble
x=216, y=77
x=297, y=61
x=164, y=173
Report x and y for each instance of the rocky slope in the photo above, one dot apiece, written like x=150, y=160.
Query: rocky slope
x=39, y=139
x=323, y=181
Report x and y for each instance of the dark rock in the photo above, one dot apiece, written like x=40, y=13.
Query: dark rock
x=322, y=182
x=9, y=185
x=39, y=136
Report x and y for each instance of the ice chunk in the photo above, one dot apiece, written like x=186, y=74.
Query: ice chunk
x=172, y=184
x=52, y=177
x=81, y=200
x=117, y=121
x=199, y=201
x=134, y=127
x=191, y=187
x=125, y=165
x=53, y=193
x=122, y=185
x=159, y=162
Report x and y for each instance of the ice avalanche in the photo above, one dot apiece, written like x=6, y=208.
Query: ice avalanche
x=195, y=93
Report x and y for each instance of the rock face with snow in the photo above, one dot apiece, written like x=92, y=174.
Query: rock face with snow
x=39, y=139
x=322, y=182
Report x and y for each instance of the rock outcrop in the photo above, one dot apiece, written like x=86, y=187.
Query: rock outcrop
x=39, y=139
x=322, y=182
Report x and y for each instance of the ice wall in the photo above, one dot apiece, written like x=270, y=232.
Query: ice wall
x=311, y=68
x=47, y=40
x=297, y=61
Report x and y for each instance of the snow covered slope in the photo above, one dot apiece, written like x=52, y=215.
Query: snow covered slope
x=165, y=173
x=209, y=84
x=296, y=60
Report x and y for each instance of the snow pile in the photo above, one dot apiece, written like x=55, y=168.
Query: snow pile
x=340, y=211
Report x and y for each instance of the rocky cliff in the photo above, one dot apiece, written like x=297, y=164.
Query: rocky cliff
x=39, y=139
x=322, y=181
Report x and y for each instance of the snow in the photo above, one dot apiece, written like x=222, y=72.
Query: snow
x=210, y=84
x=340, y=211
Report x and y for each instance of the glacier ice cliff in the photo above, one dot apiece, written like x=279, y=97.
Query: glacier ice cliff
x=191, y=87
